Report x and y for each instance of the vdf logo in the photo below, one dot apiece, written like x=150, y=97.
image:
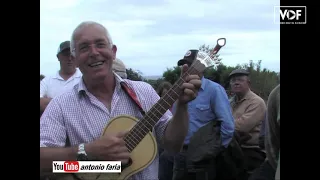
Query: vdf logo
x=290, y=14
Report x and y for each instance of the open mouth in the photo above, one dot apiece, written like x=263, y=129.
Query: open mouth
x=96, y=64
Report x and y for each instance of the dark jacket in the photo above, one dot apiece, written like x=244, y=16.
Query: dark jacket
x=205, y=145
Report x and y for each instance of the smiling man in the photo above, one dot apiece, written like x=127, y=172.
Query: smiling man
x=71, y=126
x=64, y=80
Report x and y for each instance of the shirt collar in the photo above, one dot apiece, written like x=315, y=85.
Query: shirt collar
x=247, y=96
x=82, y=86
x=77, y=74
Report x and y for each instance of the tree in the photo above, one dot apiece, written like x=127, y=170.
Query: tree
x=134, y=75
x=172, y=74
x=154, y=83
x=262, y=80
x=207, y=49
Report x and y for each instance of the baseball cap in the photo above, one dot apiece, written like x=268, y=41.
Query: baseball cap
x=239, y=72
x=119, y=68
x=63, y=46
x=189, y=57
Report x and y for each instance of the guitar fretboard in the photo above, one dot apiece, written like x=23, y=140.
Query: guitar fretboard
x=145, y=125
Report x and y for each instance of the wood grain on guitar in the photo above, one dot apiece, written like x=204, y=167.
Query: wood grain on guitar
x=140, y=141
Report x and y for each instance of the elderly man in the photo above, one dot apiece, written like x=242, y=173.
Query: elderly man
x=64, y=80
x=249, y=111
x=119, y=68
x=80, y=115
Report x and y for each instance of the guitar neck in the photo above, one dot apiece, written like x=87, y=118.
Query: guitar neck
x=145, y=125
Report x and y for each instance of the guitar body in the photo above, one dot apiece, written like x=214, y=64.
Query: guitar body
x=142, y=156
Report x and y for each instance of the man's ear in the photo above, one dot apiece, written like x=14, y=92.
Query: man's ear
x=249, y=83
x=114, y=50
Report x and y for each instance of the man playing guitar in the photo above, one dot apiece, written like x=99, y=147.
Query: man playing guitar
x=78, y=117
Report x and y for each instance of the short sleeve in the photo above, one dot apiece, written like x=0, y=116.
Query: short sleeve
x=43, y=87
x=52, y=127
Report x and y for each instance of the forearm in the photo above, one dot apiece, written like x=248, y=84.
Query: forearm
x=221, y=108
x=44, y=103
x=177, y=129
x=227, y=130
x=246, y=123
x=48, y=154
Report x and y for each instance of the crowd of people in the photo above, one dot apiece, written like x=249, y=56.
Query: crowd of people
x=204, y=135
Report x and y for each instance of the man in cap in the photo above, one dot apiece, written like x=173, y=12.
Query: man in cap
x=63, y=80
x=119, y=68
x=249, y=111
x=211, y=104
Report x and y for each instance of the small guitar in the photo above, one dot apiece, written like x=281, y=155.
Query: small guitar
x=140, y=141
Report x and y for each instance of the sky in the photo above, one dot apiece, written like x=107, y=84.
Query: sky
x=152, y=35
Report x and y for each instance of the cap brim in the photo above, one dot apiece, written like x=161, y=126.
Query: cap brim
x=238, y=73
x=63, y=49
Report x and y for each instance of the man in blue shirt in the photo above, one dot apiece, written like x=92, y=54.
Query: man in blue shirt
x=211, y=104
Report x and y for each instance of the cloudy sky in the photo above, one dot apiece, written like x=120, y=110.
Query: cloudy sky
x=152, y=35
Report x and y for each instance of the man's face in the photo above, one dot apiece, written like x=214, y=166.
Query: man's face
x=65, y=60
x=93, y=54
x=239, y=83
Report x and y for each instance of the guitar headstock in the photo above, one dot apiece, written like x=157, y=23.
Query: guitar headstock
x=210, y=59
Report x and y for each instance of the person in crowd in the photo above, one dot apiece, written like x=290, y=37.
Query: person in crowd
x=164, y=88
x=63, y=80
x=249, y=111
x=119, y=68
x=270, y=168
x=263, y=134
x=211, y=104
x=165, y=157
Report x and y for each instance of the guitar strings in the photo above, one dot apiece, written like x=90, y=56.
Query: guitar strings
x=141, y=127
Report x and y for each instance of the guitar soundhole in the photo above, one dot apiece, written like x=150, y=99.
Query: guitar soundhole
x=123, y=166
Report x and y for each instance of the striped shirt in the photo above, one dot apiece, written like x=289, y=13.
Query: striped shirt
x=81, y=117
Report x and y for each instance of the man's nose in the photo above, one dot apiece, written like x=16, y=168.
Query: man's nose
x=236, y=83
x=93, y=50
